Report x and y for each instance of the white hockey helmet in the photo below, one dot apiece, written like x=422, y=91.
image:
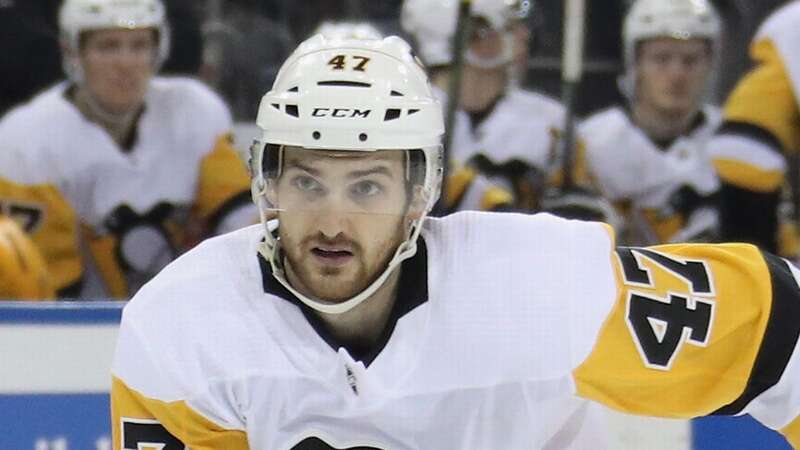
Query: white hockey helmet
x=432, y=24
x=78, y=16
x=680, y=19
x=349, y=96
x=348, y=30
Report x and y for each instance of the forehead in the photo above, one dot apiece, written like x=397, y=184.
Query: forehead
x=338, y=159
x=668, y=44
x=118, y=34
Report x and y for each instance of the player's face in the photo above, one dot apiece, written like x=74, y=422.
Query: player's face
x=118, y=65
x=341, y=218
x=672, y=73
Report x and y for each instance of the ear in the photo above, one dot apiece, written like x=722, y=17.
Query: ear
x=271, y=193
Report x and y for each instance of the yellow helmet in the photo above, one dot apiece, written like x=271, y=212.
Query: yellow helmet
x=23, y=273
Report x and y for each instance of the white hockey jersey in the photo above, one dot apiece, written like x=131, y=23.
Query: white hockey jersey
x=670, y=189
x=78, y=192
x=515, y=147
x=503, y=322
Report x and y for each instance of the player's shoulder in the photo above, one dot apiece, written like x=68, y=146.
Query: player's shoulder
x=34, y=135
x=187, y=95
x=48, y=107
x=202, y=282
x=606, y=121
x=489, y=233
x=537, y=102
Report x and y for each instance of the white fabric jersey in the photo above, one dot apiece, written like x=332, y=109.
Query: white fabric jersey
x=205, y=332
x=521, y=126
x=500, y=320
x=49, y=139
x=627, y=164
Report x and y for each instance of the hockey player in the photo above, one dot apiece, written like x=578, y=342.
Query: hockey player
x=115, y=171
x=650, y=156
x=23, y=275
x=760, y=127
x=353, y=321
x=502, y=131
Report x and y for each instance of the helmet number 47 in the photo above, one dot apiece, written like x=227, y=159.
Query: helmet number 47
x=339, y=62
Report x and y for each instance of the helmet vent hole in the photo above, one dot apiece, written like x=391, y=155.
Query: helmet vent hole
x=412, y=111
x=294, y=89
x=292, y=110
x=344, y=83
x=396, y=94
x=276, y=106
x=316, y=135
x=391, y=114
x=362, y=137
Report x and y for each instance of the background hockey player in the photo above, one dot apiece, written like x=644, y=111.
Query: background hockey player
x=761, y=127
x=353, y=321
x=650, y=156
x=115, y=171
x=508, y=134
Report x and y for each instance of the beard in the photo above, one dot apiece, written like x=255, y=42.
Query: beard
x=337, y=283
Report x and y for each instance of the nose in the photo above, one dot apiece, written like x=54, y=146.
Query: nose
x=332, y=217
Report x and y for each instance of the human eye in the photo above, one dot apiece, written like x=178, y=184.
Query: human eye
x=306, y=183
x=366, y=188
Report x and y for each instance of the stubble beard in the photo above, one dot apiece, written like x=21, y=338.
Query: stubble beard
x=338, y=284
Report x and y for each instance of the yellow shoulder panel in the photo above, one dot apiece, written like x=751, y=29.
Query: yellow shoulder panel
x=223, y=176
x=685, y=332
x=765, y=98
x=142, y=423
x=46, y=215
x=23, y=273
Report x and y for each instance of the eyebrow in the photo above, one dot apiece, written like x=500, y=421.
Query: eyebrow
x=378, y=170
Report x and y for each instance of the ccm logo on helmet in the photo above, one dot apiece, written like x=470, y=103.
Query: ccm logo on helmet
x=342, y=113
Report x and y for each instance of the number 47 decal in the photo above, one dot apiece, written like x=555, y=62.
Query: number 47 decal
x=661, y=325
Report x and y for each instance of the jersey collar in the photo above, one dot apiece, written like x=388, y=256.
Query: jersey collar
x=412, y=292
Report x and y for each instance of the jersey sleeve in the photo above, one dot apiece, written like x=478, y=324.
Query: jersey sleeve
x=150, y=404
x=699, y=330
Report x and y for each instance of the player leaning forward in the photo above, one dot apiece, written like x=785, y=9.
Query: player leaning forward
x=117, y=170
x=354, y=321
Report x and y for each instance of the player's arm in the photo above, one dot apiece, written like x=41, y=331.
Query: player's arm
x=223, y=198
x=23, y=273
x=698, y=330
x=148, y=409
x=760, y=125
x=47, y=216
x=469, y=190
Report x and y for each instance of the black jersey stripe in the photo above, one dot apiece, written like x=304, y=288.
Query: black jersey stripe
x=780, y=337
x=753, y=132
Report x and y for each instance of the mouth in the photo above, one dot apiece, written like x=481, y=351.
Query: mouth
x=332, y=256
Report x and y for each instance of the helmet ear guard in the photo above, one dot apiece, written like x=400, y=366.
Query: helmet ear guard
x=349, y=96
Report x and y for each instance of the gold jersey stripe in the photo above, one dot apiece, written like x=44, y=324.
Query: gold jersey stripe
x=748, y=176
x=494, y=198
x=129, y=407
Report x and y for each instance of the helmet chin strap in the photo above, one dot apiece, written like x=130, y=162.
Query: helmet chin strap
x=404, y=251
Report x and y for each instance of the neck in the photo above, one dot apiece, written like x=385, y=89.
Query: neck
x=661, y=125
x=364, y=324
x=118, y=125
